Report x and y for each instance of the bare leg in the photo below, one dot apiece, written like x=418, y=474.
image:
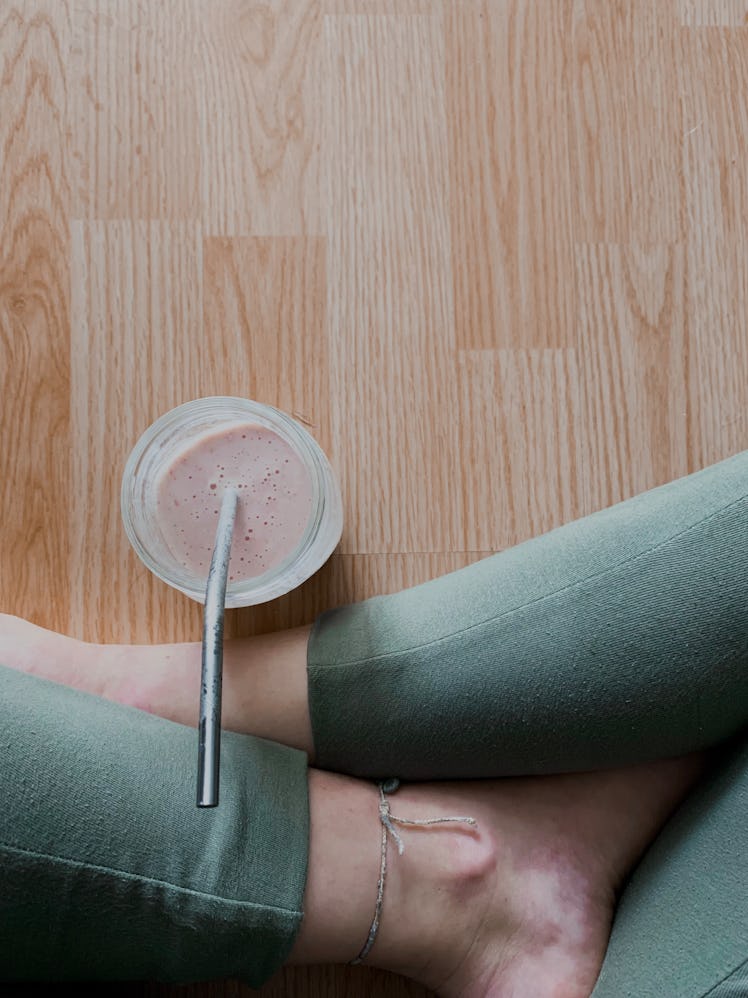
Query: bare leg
x=264, y=677
x=521, y=906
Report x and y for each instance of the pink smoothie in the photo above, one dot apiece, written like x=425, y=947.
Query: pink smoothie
x=275, y=499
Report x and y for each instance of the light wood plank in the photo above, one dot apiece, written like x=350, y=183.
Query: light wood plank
x=633, y=348
x=713, y=13
x=135, y=353
x=134, y=113
x=35, y=488
x=265, y=318
x=508, y=90
x=261, y=117
x=390, y=307
x=713, y=79
x=627, y=148
x=521, y=457
x=400, y=7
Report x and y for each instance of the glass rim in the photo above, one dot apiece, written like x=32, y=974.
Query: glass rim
x=277, y=580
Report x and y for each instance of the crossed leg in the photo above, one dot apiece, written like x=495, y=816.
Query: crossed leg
x=520, y=907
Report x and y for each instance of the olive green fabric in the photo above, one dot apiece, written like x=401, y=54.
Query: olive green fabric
x=617, y=638
x=614, y=639
x=110, y=871
x=735, y=985
x=681, y=925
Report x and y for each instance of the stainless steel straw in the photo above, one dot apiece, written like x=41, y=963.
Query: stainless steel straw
x=209, y=731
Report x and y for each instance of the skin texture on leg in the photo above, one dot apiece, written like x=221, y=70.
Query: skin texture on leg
x=264, y=677
x=264, y=683
x=520, y=903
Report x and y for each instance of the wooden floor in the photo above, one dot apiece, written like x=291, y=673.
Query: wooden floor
x=494, y=255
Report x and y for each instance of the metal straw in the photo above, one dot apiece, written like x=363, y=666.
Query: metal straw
x=209, y=730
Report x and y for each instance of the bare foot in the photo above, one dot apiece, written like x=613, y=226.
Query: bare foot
x=532, y=898
x=521, y=908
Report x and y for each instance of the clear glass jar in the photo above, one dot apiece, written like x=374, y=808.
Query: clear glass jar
x=165, y=439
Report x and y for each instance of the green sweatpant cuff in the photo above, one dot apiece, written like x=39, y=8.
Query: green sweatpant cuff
x=111, y=872
x=611, y=640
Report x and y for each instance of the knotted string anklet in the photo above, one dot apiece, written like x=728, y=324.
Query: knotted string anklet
x=387, y=818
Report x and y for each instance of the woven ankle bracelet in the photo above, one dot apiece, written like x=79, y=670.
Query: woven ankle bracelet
x=387, y=819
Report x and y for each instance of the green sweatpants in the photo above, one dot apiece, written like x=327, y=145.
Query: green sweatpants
x=618, y=638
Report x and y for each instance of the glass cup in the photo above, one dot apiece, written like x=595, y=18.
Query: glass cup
x=169, y=436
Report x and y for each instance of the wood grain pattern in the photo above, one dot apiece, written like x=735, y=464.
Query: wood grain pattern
x=518, y=410
x=508, y=91
x=264, y=316
x=259, y=87
x=34, y=307
x=713, y=13
x=627, y=144
x=134, y=110
x=399, y=7
x=716, y=134
x=633, y=349
x=136, y=351
x=391, y=310
x=491, y=252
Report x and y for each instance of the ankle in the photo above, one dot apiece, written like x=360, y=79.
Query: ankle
x=432, y=892
x=343, y=866
x=477, y=912
x=436, y=890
